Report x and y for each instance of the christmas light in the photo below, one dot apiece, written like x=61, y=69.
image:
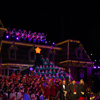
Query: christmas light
x=7, y=36
x=94, y=67
x=31, y=68
x=91, y=54
x=98, y=67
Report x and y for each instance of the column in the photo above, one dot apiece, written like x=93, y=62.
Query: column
x=8, y=71
x=4, y=71
x=0, y=58
x=20, y=68
x=89, y=75
x=2, y=30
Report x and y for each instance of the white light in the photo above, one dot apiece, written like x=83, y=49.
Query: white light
x=91, y=54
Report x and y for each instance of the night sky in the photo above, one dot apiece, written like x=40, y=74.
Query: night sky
x=81, y=21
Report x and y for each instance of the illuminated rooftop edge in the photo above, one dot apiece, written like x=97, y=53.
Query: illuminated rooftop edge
x=76, y=61
x=14, y=64
x=28, y=44
x=69, y=40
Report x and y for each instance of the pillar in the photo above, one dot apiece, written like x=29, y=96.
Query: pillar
x=2, y=30
x=4, y=71
x=89, y=76
x=20, y=68
x=8, y=71
x=0, y=58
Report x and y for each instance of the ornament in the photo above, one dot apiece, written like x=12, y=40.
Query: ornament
x=38, y=50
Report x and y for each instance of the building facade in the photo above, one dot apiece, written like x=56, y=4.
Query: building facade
x=18, y=55
x=75, y=57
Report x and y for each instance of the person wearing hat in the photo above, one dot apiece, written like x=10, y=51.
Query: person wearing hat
x=73, y=87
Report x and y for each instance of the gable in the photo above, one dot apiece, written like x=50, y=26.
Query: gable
x=1, y=25
x=77, y=52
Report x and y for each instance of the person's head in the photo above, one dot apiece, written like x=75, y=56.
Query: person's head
x=64, y=82
x=81, y=82
x=73, y=82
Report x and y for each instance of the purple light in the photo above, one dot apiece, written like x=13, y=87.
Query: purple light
x=94, y=67
x=17, y=38
x=31, y=68
x=45, y=41
x=38, y=41
x=98, y=66
x=7, y=36
x=24, y=39
x=34, y=40
x=53, y=43
x=29, y=39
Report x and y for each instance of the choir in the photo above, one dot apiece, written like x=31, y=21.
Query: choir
x=34, y=87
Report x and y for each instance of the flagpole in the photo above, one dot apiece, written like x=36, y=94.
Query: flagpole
x=69, y=74
x=62, y=25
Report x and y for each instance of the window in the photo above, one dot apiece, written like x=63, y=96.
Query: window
x=12, y=54
x=32, y=56
x=79, y=53
x=81, y=75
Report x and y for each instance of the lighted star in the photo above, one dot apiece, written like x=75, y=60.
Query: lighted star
x=38, y=50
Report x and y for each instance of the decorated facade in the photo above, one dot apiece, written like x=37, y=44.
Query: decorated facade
x=20, y=50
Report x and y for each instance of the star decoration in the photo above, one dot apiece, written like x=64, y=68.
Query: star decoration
x=38, y=50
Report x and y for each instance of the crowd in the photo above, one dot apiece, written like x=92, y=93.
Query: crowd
x=35, y=87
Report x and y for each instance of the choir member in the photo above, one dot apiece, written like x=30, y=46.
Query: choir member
x=5, y=95
x=47, y=91
x=19, y=95
x=33, y=97
x=12, y=95
x=1, y=95
x=53, y=89
x=26, y=95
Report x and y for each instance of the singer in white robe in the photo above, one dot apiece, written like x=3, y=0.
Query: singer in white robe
x=12, y=96
x=19, y=96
